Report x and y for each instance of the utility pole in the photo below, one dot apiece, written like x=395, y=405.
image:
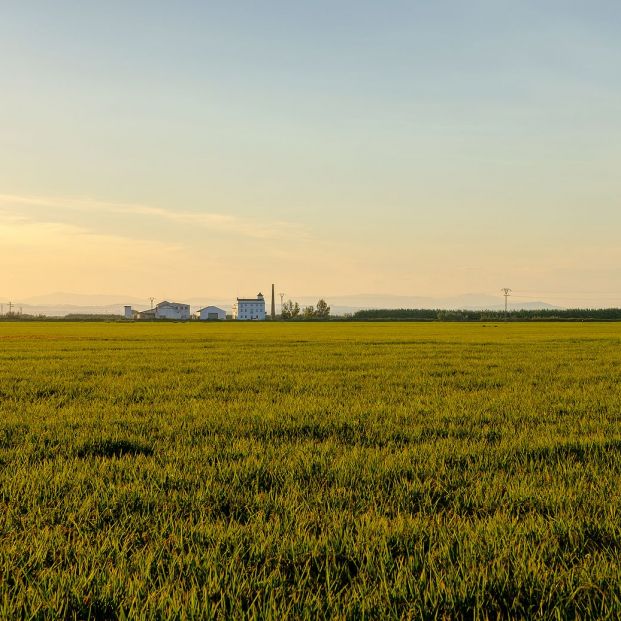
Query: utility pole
x=506, y=292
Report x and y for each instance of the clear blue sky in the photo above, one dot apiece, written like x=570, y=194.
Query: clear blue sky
x=424, y=148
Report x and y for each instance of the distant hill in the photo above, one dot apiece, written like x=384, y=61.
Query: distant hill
x=341, y=305
x=61, y=298
x=61, y=310
x=59, y=304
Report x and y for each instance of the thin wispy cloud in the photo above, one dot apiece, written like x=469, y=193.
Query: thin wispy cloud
x=41, y=255
x=20, y=230
x=73, y=244
x=245, y=227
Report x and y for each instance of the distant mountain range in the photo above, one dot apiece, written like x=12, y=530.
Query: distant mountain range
x=61, y=304
x=468, y=301
x=61, y=298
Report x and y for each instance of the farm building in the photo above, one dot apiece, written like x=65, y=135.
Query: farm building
x=210, y=313
x=132, y=313
x=164, y=310
x=172, y=310
x=147, y=314
x=246, y=309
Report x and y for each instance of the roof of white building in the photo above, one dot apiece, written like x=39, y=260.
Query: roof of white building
x=167, y=303
x=259, y=298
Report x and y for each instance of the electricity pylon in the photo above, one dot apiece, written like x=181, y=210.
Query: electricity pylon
x=506, y=292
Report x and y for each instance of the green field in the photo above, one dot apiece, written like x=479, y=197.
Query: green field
x=378, y=471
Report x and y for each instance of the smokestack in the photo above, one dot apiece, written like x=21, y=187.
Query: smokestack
x=273, y=304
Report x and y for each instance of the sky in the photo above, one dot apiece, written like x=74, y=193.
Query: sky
x=203, y=148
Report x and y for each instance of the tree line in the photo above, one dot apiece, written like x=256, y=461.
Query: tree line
x=423, y=314
x=291, y=310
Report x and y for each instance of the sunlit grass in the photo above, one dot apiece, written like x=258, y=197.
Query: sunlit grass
x=317, y=470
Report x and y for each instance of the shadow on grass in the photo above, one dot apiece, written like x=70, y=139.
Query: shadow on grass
x=108, y=447
x=572, y=451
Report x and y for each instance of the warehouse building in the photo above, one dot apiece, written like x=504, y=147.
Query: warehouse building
x=210, y=313
x=172, y=310
x=164, y=310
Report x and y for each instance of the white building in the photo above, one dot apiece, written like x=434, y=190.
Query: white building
x=132, y=313
x=210, y=313
x=164, y=310
x=246, y=309
x=172, y=310
x=146, y=314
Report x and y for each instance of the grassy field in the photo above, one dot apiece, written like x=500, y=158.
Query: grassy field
x=379, y=471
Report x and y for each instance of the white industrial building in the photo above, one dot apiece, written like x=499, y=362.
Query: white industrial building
x=210, y=313
x=172, y=310
x=164, y=310
x=247, y=309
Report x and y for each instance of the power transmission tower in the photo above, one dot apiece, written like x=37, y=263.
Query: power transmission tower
x=282, y=299
x=506, y=292
x=152, y=300
x=10, y=308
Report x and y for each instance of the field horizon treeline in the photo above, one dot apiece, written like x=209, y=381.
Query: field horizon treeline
x=327, y=471
x=387, y=314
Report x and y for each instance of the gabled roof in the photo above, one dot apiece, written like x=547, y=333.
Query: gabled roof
x=206, y=307
x=167, y=303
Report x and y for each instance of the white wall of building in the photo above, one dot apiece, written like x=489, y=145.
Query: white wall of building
x=248, y=309
x=172, y=310
x=211, y=312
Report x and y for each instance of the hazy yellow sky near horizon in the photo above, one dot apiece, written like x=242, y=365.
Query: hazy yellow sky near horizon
x=333, y=148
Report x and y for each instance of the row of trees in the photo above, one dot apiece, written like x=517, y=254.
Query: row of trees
x=291, y=310
x=424, y=314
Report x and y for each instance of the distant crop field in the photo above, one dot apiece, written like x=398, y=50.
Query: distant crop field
x=378, y=471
